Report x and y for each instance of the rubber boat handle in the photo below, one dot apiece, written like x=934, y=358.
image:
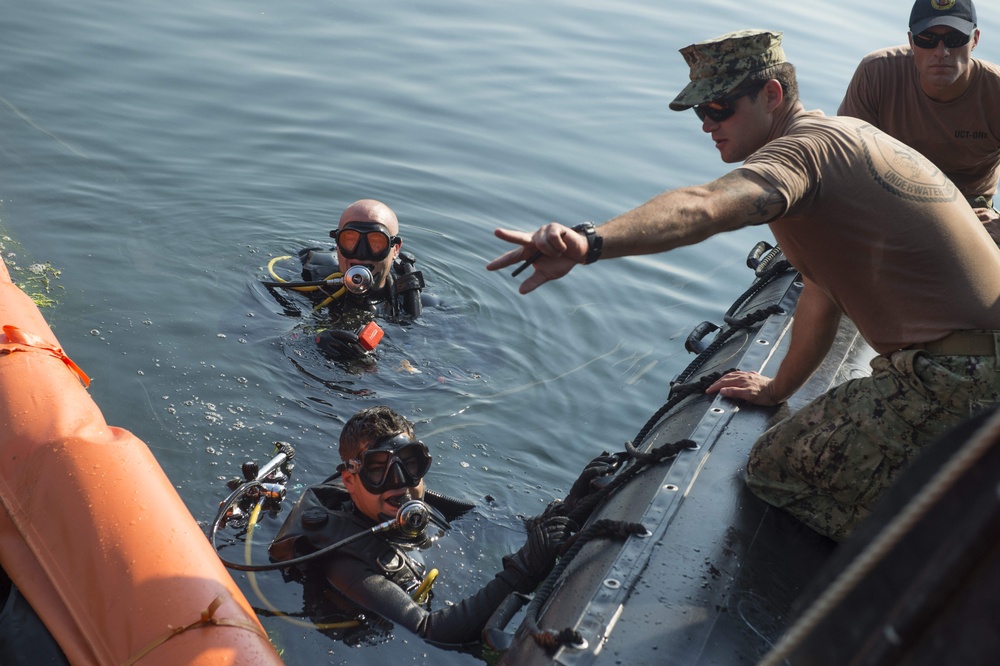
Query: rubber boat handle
x=695, y=342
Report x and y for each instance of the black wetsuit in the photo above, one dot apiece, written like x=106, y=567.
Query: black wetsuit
x=377, y=573
x=400, y=298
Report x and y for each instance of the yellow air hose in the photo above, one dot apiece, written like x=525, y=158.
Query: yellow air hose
x=260, y=595
x=420, y=594
x=337, y=294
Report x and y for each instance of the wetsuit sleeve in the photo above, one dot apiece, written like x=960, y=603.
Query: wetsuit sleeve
x=460, y=623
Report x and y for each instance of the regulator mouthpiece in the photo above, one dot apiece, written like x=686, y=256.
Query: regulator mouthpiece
x=359, y=280
x=412, y=518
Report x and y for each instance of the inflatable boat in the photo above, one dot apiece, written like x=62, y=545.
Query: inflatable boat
x=680, y=564
x=99, y=552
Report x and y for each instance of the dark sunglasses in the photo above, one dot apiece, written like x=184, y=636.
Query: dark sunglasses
x=365, y=240
x=392, y=462
x=722, y=109
x=952, y=40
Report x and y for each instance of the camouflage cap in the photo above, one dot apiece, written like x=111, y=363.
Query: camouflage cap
x=720, y=65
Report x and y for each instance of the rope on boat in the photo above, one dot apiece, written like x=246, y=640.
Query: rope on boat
x=677, y=393
x=604, y=528
x=766, y=277
x=208, y=619
x=680, y=389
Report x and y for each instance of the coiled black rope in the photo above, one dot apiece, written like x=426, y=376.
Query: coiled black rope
x=733, y=324
x=604, y=528
x=677, y=393
x=765, y=277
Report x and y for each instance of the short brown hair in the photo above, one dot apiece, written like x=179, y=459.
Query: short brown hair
x=367, y=426
x=785, y=75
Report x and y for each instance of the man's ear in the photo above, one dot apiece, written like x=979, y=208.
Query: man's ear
x=350, y=480
x=775, y=94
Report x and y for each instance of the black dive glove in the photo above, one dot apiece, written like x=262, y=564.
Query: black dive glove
x=340, y=345
x=603, y=465
x=538, y=555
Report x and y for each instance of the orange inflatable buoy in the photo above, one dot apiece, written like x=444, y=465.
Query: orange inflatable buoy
x=92, y=532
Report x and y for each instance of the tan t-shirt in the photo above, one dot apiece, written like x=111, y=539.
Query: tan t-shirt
x=961, y=137
x=881, y=230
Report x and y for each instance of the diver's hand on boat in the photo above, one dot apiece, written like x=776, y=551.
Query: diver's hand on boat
x=552, y=250
x=340, y=345
x=601, y=466
x=538, y=555
x=751, y=387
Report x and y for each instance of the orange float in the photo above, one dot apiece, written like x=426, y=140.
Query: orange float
x=92, y=532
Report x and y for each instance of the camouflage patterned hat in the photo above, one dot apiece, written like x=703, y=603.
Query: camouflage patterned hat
x=720, y=65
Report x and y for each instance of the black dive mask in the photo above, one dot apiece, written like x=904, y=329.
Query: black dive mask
x=392, y=462
x=367, y=241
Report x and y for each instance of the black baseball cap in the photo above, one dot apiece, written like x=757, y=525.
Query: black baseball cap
x=957, y=14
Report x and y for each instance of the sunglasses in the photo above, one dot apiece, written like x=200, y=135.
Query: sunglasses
x=401, y=465
x=722, y=109
x=365, y=240
x=952, y=40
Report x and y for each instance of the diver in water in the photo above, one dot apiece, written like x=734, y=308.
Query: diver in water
x=367, y=241
x=383, y=468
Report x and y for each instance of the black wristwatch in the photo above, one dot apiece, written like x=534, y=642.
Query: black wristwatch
x=595, y=244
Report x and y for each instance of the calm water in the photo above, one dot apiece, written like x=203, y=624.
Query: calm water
x=158, y=155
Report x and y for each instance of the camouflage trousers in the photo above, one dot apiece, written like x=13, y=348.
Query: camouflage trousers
x=828, y=463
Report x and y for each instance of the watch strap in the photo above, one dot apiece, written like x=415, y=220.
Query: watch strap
x=595, y=243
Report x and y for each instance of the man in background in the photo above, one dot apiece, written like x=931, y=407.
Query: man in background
x=934, y=96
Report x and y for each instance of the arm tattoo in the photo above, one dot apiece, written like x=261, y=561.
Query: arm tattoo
x=768, y=205
x=757, y=200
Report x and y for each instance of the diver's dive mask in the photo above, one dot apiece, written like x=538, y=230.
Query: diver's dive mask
x=367, y=241
x=392, y=462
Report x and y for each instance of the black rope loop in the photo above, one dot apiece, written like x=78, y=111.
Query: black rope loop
x=754, y=317
x=659, y=454
x=604, y=528
x=550, y=641
x=764, y=278
x=677, y=393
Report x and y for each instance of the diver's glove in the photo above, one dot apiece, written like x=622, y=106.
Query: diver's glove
x=340, y=345
x=533, y=562
x=592, y=477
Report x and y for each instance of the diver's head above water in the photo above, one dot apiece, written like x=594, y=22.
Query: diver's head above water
x=368, y=235
x=383, y=465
